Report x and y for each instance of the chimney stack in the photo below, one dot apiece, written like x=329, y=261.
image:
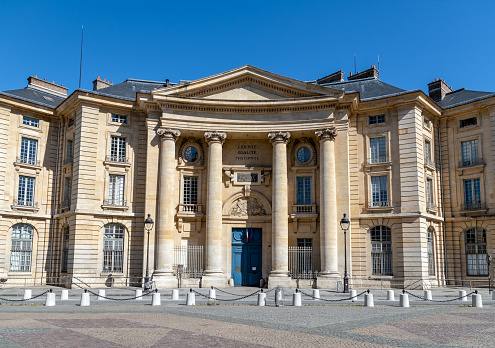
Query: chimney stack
x=371, y=72
x=335, y=77
x=44, y=85
x=438, y=89
x=99, y=84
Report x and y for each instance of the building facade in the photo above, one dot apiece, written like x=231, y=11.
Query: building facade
x=246, y=175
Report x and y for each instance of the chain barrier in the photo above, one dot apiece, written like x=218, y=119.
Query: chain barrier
x=328, y=300
x=121, y=299
x=449, y=300
x=26, y=299
x=229, y=293
x=226, y=300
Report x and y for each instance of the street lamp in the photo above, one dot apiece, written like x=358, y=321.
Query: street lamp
x=344, y=224
x=148, y=225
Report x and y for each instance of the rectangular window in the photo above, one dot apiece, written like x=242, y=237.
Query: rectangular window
x=25, y=193
x=469, y=150
x=190, y=194
x=378, y=150
x=472, y=194
x=429, y=197
x=116, y=190
x=377, y=119
x=67, y=191
x=65, y=249
x=473, y=121
x=427, y=151
x=28, y=151
x=70, y=149
x=379, y=193
x=30, y=121
x=118, y=149
x=426, y=123
x=304, y=190
x=122, y=119
x=70, y=123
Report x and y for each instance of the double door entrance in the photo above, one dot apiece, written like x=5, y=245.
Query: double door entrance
x=246, y=256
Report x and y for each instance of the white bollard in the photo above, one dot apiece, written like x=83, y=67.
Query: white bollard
x=212, y=294
x=156, y=299
x=368, y=300
x=139, y=294
x=27, y=294
x=84, y=299
x=316, y=294
x=191, y=299
x=428, y=296
x=477, y=302
x=462, y=295
x=261, y=299
x=50, y=299
x=404, y=300
x=175, y=294
x=390, y=295
x=296, y=299
x=493, y=294
x=101, y=295
x=353, y=295
x=64, y=295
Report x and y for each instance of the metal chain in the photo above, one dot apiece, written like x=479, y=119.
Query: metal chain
x=226, y=300
x=121, y=299
x=450, y=300
x=26, y=299
x=328, y=300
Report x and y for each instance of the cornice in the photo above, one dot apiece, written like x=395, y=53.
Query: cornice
x=418, y=97
x=26, y=105
x=86, y=97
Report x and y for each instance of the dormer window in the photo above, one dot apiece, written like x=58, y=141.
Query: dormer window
x=377, y=119
x=468, y=122
x=29, y=121
x=121, y=119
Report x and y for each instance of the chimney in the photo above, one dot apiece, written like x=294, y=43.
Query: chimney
x=438, y=89
x=50, y=87
x=335, y=77
x=99, y=84
x=371, y=72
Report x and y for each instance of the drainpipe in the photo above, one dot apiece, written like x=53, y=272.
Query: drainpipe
x=54, y=201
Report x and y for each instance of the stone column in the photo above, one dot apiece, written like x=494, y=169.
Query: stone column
x=165, y=221
x=213, y=275
x=280, y=211
x=329, y=220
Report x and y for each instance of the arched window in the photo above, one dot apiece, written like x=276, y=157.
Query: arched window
x=381, y=250
x=113, y=248
x=431, y=251
x=22, y=248
x=477, y=264
x=65, y=249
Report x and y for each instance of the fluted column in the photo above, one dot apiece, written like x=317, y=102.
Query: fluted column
x=165, y=221
x=328, y=204
x=214, y=250
x=280, y=207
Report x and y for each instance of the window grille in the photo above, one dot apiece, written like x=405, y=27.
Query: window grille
x=378, y=150
x=429, y=198
x=29, y=121
x=70, y=149
x=21, y=250
x=67, y=191
x=190, y=195
x=377, y=119
x=118, y=149
x=122, y=119
x=304, y=190
x=379, y=193
x=472, y=194
x=25, y=193
x=303, y=260
x=381, y=250
x=476, y=256
x=28, y=151
x=116, y=189
x=113, y=248
x=65, y=249
x=427, y=151
x=431, y=252
x=469, y=150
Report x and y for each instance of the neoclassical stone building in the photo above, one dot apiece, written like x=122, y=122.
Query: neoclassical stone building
x=246, y=175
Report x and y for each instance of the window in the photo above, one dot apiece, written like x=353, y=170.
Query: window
x=70, y=123
x=70, y=150
x=468, y=122
x=381, y=250
x=469, y=151
x=378, y=150
x=122, y=119
x=472, y=194
x=304, y=154
x=30, y=121
x=429, y=195
x=427, y=152
x=476, y=256
x=116, y=190
x=118, y=149
x=190, y=195
x=377, y=119
x=67, y=192
x=304, y=190
x=113, y=248
x=379, y=193
x=431, y=252
x=191, y=154
x=22, y=248
x=28, y=151
x=25, y=193
x=426, y=123
x=65, y=249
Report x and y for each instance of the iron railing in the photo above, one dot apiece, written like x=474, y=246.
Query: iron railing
x=68, y=160
x=430, y=163
x=191, y=257
x=303, y=262
x=470, y=162
x=379, y=204
x=25, y=203
x=117, y=159
x=378, y=160
x=432, y=206
x=115, y=202
x=65, y=204
x=473, y=205
x=27, y=160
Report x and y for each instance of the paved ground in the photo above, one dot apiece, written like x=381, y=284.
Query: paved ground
x=135, y=323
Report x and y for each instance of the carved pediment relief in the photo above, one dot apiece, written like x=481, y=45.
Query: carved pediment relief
x=240, y=205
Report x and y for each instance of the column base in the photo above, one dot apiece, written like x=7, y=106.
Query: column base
x=217, y=280
x=283, y=281
x=330, y=282
x=165, y=281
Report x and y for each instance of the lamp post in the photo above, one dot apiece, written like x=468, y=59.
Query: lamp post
x=344, y=224
x=148, y=225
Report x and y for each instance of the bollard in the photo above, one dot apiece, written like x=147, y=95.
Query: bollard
x=50, y=299
x=404, y=300
x=27, y=294
x=368, y=300
x=138, y=294
x=279, y=296
x=64, y=295
x=191, y=298
x=390, y=295
x=175, y=294
x=212, y=294
x=462, y=295
x=156, y=299
x=477, y=302
x=493, y=295
x=84, y=299
x=296, y=299
x=353, y=296
x=261, y=299
x=101, y=295
x=316, y=294
x=428, y=296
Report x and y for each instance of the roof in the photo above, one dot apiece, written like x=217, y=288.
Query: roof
x=36, y=96
x=462, y=96
x=368, y=88
x=129, y=88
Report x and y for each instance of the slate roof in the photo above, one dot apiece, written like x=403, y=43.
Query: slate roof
x=36, y=96
x=128, y=89
x=368, y=88
x=462, y=96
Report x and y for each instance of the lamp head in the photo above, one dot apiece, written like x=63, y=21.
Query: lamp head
x=148, y=223
x=345, y=222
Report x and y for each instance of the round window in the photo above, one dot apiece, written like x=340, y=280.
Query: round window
x=191, y=154
x=303, y=154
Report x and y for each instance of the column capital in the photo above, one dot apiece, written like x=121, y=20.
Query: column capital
x=279, y=136
x=215, y=136
x=168, y=133
x=326, y=134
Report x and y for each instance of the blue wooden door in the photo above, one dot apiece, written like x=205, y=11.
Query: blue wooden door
x=246, y=256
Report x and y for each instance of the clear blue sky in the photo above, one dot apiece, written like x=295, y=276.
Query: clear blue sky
x=417, y=40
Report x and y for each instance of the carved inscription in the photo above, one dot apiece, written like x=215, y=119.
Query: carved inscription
x=246, y=153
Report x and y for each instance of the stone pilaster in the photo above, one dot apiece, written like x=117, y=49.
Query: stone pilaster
x=213, y=275
x=280, y=212
x=328, y=210
x=165, y=221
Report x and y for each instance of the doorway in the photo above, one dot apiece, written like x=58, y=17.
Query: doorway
x=246, y=256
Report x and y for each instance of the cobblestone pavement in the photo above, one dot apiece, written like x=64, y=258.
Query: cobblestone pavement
x=135, y=323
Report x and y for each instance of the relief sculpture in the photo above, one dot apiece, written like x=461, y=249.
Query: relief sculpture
x=247, y=207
